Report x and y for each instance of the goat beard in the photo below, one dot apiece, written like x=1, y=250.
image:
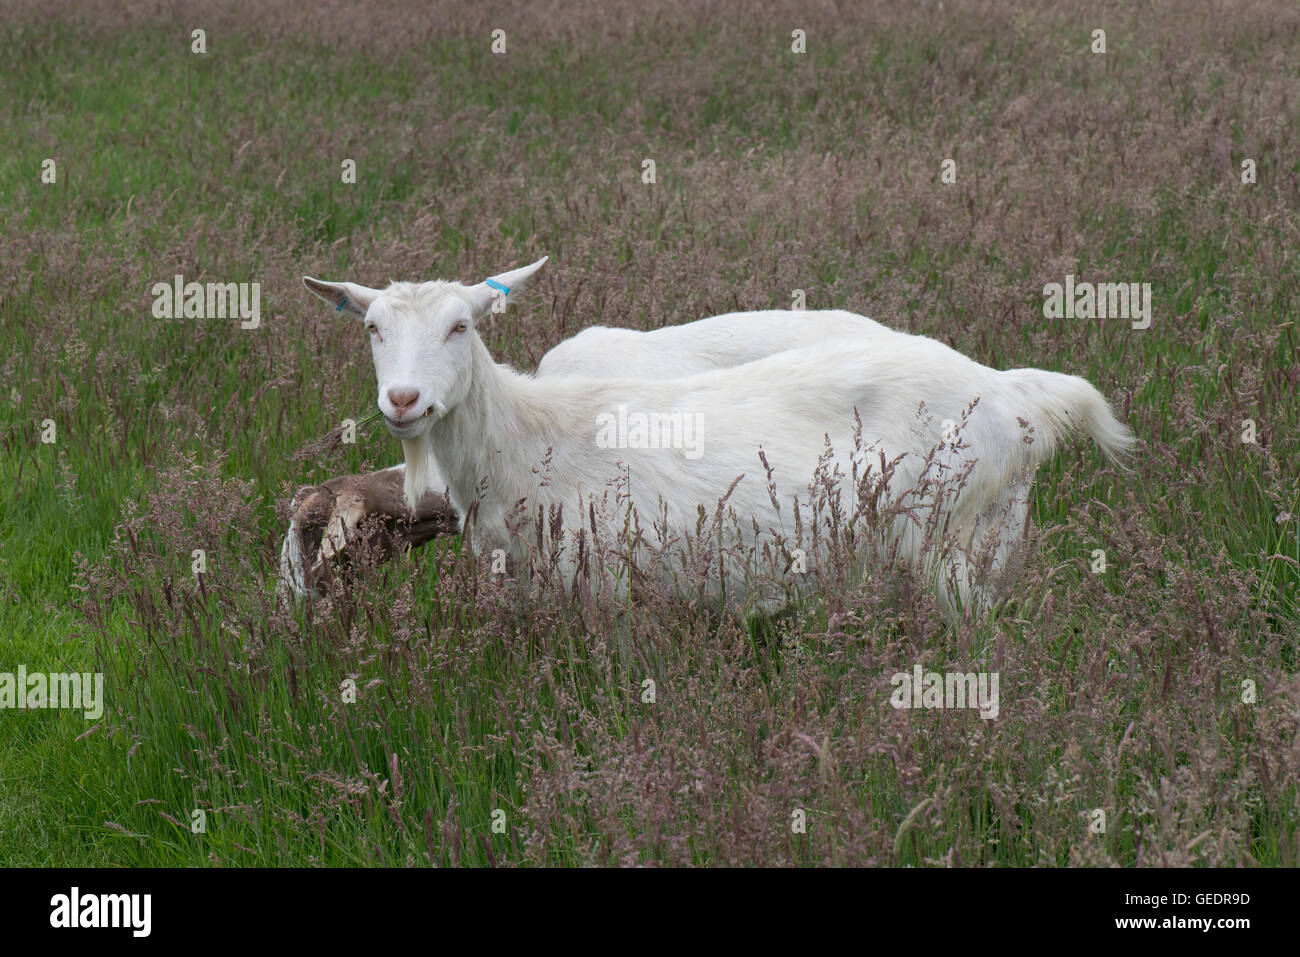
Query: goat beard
x=418, y=452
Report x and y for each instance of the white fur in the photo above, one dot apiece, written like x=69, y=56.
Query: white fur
x=489, y=428
x=673, y=351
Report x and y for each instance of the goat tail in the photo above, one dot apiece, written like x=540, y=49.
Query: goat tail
x=1061, y=406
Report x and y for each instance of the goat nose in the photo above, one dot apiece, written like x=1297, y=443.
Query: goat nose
x=403, y=399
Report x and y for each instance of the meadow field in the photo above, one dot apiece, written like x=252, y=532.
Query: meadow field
x=1147, y=655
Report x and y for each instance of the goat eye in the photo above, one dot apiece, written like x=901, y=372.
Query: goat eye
x=460, y=327
x=372, y=329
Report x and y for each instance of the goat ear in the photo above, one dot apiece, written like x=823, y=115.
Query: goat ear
x=344, y=296
x=500, y=286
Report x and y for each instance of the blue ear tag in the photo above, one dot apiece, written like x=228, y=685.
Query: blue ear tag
x=496, y=285
x=342, y=305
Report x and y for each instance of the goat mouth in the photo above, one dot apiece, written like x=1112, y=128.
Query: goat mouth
x=405, y=425
x=423, y=415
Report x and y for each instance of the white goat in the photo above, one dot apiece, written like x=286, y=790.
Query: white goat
x=490, y=428
x=671, y=352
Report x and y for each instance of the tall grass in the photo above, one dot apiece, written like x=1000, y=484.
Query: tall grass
x=1121, y=691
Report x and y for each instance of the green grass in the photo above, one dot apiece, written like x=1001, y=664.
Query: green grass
x=226, y=167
